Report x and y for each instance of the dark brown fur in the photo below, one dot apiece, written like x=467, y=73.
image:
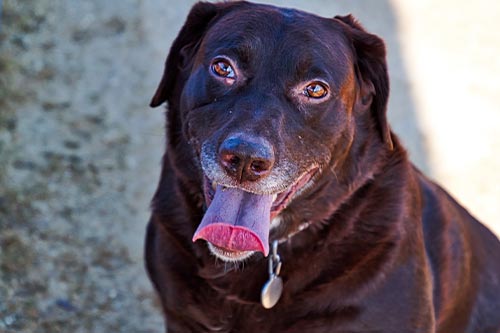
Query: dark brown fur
x=387, y=249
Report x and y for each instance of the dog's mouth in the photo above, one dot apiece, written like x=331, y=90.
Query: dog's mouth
x=229, y=255
x=237, y=223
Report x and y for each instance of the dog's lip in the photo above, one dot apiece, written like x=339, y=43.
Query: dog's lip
x=281, y=199
x=229, y=255
x=285, y=197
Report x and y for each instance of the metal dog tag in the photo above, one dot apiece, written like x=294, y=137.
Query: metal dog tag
x=271, y=292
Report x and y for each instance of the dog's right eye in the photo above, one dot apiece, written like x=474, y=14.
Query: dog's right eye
x=316, y=90
x=223, y=69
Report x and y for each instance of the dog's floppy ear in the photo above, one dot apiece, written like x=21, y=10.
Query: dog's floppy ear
x=371, y=70
x=184, y=46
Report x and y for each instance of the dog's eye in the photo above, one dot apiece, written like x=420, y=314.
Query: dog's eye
x=316, y=90
x=223, y=69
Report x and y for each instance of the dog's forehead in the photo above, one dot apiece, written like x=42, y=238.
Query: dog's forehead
x=259, y=28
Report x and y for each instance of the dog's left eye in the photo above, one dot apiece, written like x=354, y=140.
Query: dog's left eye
x=316, y=90
x=223, y=69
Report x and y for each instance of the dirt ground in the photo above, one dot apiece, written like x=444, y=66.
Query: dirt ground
x=79, y=161
x=80, y=149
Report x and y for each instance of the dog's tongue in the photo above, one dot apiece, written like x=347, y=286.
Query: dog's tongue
x=237, y=221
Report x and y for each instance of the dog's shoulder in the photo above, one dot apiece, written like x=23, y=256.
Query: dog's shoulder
x=463, y=256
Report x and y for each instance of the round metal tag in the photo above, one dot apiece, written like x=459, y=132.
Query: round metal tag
x=271, y=292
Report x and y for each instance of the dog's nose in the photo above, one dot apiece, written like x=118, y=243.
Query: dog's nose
x=246, y=158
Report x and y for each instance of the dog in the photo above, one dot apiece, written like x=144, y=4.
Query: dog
x=285, y=202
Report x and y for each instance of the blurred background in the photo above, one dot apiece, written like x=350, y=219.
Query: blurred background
x=80, y=149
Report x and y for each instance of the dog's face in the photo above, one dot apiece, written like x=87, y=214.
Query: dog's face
x=271, y=102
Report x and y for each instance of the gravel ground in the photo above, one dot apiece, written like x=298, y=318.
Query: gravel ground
x=79, y=157
x=80, y=149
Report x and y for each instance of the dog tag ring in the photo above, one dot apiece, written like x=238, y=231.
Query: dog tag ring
x=272, y=290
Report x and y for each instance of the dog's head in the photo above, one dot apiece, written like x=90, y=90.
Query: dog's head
x=269, y=107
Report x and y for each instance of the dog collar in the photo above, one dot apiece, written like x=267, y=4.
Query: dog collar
x=301, y=227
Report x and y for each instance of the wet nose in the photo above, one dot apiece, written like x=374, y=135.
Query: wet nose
x=246, y=158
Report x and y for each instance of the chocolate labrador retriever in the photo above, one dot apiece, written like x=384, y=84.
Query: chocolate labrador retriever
x=286, y=204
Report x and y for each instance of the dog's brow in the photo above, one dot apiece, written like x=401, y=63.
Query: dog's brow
x=238, y=48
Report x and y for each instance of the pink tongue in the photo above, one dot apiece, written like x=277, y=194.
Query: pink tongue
x=237, y=221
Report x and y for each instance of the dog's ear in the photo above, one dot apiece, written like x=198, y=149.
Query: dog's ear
x=371, y=71
x=183, y=48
